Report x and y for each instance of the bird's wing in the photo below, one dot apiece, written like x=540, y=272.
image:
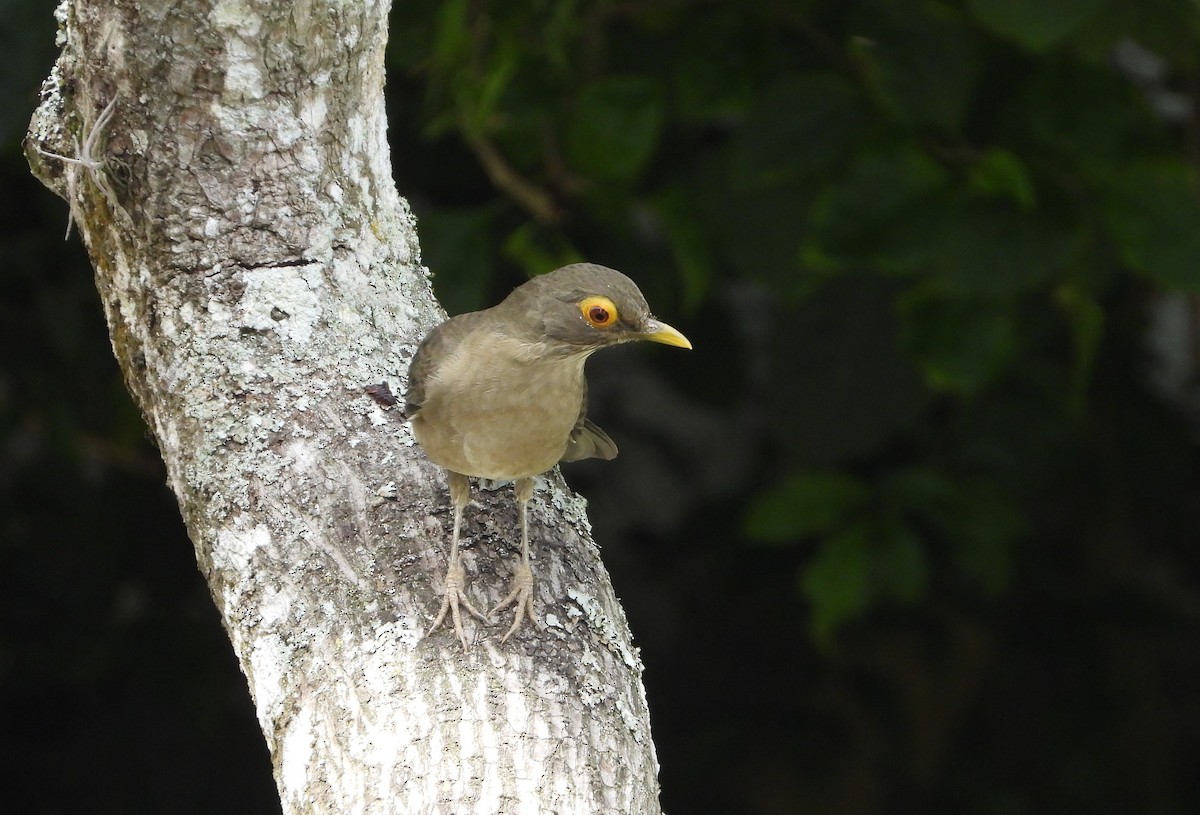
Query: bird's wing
x=436, y=346
x=587, y=440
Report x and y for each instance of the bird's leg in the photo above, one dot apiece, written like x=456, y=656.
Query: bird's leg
x=453, y=596
x=521, y=596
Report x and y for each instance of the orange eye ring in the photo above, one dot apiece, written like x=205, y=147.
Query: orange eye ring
x=598, y=312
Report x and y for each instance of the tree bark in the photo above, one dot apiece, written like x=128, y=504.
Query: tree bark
x=258, y=271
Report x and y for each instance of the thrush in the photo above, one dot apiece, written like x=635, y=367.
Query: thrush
x=500, y=394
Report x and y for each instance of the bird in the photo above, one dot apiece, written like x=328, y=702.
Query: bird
x=500, y=394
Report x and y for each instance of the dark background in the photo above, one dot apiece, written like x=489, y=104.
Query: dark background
x=914, y=528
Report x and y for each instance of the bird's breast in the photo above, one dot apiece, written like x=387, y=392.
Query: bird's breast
x=500, y=413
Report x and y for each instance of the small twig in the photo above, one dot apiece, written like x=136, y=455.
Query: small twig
x=532, y=197
x=85, y=157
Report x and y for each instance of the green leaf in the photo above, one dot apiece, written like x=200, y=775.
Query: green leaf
x=993, y=249
x=452, y=34
x=901, y=568
x=562, y=24
x=876, y=214
x=689, y=242
x=538, y=250
x=961, y=345
x=974, y=515
x=920, y=61
x=922, y=490
x=804, y=504
x=485, y=97
x=757, y=232
x=1002, y=174
x=802, y=125
x=837, y=582
x=1035, y=24
x=1085, y=113
x=1086, y=317
x=1153, y=214
x=716, y=69
x=615, y=127
x=988, y=528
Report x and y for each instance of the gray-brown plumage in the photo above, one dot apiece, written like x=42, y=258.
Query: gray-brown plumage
x=500, y=394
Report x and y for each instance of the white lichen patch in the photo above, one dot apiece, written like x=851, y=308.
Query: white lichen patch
x=377, y=417
x=383, y=653
x=61, y=13
x=604, y=628
x=274, y=607
x=313, y=110
x=236, y=547
x=574, y=509
x=269, y=661
x=236, y=15
x=302, y=456
x=243, y=66
x=112, y=35
x=516, y=709
x=288, y=129
x=280, y=299
x=296, y=752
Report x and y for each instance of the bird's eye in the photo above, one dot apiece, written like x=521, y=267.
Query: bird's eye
x=600, y=312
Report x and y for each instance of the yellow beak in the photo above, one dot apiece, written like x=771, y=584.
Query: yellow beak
x=661, y=332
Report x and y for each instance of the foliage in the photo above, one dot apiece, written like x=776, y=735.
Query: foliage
x=959, y=214
x=985, y=163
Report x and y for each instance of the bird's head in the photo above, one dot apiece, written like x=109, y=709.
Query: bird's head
x=584, y=307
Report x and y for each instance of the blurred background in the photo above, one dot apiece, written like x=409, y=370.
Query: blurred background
x=914, y=528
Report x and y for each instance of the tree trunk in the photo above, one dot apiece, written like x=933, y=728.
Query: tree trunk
x=258, y=271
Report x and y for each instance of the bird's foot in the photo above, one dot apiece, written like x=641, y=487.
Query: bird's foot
x=453, y=598
x=520, y=598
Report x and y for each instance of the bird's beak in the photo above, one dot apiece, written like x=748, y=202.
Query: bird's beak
x=661, y=332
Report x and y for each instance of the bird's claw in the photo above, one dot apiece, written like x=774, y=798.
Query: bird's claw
x=520, y=598
x=452, y=599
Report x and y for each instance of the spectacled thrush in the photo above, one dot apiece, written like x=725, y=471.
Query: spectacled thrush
x=500, y=394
